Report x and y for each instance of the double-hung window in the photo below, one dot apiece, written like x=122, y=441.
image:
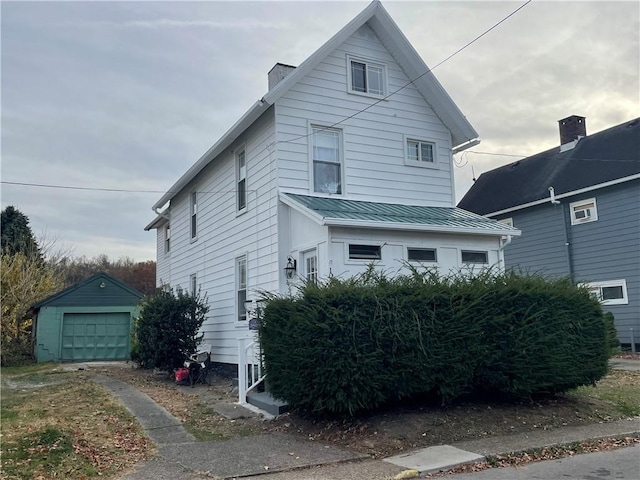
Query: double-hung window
x=241, y=173
x=194, y=215
x=366, y=77
x=420, y=152
x=167, y=239
x=583, y=211
x=241, y=287
x=326, y=153
x=193, y=280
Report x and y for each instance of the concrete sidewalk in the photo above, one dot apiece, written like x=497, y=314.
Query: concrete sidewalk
x=287, y=457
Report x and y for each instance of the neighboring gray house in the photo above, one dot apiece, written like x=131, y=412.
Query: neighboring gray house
x=578, y=207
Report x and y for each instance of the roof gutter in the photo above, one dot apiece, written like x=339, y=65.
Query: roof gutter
x=465, y=145
x=565, y=195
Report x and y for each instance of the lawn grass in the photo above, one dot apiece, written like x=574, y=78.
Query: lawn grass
x=59, y=424
x=619, y=390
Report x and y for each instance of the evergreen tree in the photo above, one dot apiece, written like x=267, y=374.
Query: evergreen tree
x=16, y=234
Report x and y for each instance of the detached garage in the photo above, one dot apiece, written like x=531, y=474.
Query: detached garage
x=88, y=321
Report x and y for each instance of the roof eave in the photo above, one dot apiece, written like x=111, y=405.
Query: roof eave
x=564, y=195
x=341, y=222
x=250, y=116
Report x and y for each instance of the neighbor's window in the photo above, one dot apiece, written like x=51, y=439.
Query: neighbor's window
x=194, y=215
x=421, y=254
x=420, y=152
x=583, y=211
x=367, y=77
x=327, y=163
x=193, y=281
x=167, y=238
x=241, y=162
x=474, y=256
x=365, y=252
x=241, y=282
x=611, y=292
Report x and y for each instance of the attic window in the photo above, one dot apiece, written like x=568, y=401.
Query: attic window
x=584, y=211
x=366, y=77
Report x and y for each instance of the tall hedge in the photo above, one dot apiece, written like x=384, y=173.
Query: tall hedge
x=354, y=345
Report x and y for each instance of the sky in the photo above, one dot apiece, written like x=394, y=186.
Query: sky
x=128, y=95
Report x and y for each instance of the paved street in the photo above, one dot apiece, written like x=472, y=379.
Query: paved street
x=613, y=465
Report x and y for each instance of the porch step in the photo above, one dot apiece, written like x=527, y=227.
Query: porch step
x=265, y=401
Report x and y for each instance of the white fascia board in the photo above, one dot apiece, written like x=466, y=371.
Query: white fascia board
x=256, y=110
x=565, y=195
x=340, y=222
x=157, y=222
x=316, y=57
x=428, y=85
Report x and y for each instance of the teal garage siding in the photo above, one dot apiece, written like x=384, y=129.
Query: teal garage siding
x=91, y=320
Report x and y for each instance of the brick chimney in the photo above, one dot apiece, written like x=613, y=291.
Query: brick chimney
x=572, y=128
x=278, y=72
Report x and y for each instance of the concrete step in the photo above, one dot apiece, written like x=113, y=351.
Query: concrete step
x=265, y=401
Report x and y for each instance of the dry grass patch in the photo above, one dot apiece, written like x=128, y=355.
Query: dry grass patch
x=59, y=424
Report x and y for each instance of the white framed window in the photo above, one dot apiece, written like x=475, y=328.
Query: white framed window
x=420, y=153
x=194, y=215
x=365, y=252
x=167, y=239
x=326, y=155
x=310, y=263
x=584, y=211
x=421, y=254
x=366, y=77
x=193, y=283
x=241, y=176
x=474, y=256
x=241, y=287
x=610, y=292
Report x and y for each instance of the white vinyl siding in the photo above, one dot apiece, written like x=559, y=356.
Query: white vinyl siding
x=374, y=146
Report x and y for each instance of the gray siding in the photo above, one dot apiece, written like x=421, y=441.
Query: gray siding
x=607, y=249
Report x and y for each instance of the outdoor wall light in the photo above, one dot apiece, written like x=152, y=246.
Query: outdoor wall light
x=290, y=269
x=103, y=285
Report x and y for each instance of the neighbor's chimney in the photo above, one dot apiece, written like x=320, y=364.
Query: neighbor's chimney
x=278, y=72
x=572, y=128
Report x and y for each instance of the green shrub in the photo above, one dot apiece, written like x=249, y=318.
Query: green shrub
x=166, y=330
x=354, y=345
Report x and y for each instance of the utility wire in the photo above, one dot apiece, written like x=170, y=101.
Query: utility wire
x=471, y=42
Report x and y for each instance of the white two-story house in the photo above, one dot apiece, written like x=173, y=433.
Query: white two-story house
x=347, y=159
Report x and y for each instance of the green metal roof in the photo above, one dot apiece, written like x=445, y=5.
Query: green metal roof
x=335, y=211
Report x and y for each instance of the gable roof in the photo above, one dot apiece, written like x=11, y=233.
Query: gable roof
x=103, y=277
x=356, y=213
x=599, y=160
x=402, y=51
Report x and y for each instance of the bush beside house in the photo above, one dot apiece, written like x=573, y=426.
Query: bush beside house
x=167, y=329
x=354, y=345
